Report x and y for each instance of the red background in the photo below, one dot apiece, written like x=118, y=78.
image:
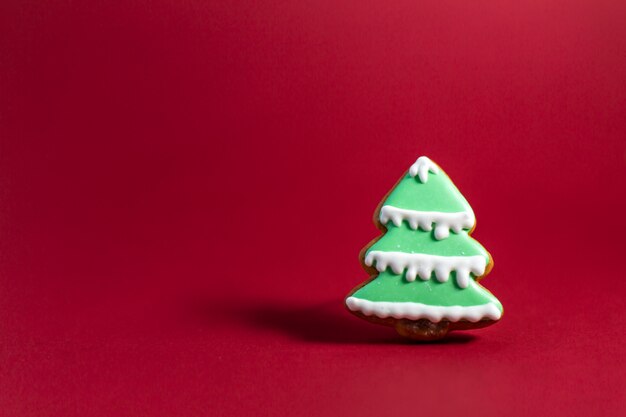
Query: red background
x=185, y=187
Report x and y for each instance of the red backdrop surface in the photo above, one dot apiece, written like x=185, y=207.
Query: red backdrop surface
x=185, y=187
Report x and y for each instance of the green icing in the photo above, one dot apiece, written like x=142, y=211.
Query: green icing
x=404, y=239
x=437, y=194
x=395, y=288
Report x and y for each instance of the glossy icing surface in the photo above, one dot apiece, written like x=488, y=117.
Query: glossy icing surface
x=416, y=311
x=438, y=194
x=419, y=214
x=444, y=222
x=388, y=286
x=422, y=167
x=403, y=239
x=419, y=264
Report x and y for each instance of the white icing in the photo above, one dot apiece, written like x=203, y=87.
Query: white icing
x=423, y=265
x=416, y=311
x=425, y=219
x=421, y=167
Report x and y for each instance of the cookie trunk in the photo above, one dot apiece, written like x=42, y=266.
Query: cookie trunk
x=423, y=329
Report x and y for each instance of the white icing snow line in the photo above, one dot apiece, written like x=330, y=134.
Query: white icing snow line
x=422, y=265
x=421, y=167
x=416, y=311
x=444, y=222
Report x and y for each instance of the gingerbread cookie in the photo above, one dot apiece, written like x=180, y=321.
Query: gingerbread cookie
x=424, y=270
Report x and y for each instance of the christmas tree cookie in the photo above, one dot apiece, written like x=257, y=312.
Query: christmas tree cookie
x=424, y=270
